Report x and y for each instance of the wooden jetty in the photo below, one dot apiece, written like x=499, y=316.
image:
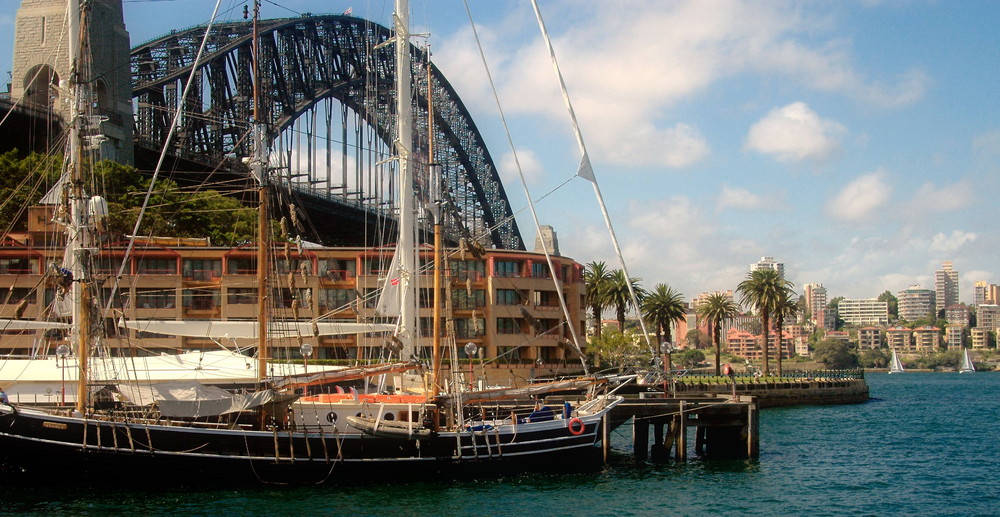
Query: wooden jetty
x=724, y=426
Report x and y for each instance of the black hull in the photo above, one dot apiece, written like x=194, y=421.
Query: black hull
x=47, y=449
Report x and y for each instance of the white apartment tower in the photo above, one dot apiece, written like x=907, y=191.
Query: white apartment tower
x=916, y=303
x=768, y=263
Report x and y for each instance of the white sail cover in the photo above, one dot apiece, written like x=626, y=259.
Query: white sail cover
x=389, y=299
x=6, y=324
x=248, y=329
x=192, y=399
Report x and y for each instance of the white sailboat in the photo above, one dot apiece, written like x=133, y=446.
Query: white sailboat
x=966, y=366
x=895, y=365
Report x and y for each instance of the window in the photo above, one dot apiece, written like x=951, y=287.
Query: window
x=508, y=353
x=468, y=269
x=539, y=270
x=508, y=297
x=337, y=270
x=508, y=326
x=463, y=301
x=154, y=298
x=202, y=269
x=242, y=295
x=469, y=328
x=18, y=266
x=241, y=266
x=19, y=294
x=330, y=299
x=201, y=299
x=284, y=298
x=157, y=266
x=507, y=268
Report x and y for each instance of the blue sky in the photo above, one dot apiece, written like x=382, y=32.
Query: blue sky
x=857, y=142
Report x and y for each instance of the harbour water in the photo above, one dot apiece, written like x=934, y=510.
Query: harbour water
x=926, y=444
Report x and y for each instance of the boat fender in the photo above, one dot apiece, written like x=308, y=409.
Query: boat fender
x=575, y=426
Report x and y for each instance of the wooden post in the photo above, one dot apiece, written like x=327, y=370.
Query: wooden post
x=699, y=439
x=640, y=438
x=606, y=438
x=682, y=436
x=753, y=440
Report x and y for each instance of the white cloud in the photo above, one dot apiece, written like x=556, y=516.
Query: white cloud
x=861, y=198
x=531, y=167
x=947, y=198
x=942, y=242
x=629, y=64
x=742, y=199
x=795, y=133
x=987, y=144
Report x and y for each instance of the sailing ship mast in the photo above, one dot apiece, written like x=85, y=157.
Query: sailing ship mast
x=405, y=247
x=78, y=234
x=263, y=243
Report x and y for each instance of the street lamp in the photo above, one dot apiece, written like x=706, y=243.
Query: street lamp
x=666, y=348
x=307, y=351
x=62, y=351
x=470, y=350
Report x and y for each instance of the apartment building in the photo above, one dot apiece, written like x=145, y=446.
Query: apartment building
x=863, y=312
x=916, y=303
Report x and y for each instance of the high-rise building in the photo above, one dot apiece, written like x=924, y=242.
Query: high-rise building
x=815, y=303
x=863, y=312
x=979, y=291
x=768, y=263
x=916, y=303
x=945, y=287
x=988, y=316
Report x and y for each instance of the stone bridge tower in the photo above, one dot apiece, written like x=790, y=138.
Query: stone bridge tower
x=41, y=67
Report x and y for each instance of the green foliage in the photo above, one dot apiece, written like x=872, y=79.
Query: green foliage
x=171, y=211
x=878, y=358
x=892, y=302
x=23, y=182
x=619, y=350
x=835, y=354
x=695, y=338
x=662, y=307
x=690, y=358
x=834, y=303
x=947, y=359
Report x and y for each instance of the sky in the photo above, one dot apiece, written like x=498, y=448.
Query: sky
x=857, y=142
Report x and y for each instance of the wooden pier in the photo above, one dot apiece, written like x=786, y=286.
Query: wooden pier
x=725, y=427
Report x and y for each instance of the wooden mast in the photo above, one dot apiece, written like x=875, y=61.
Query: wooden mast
x=435, y=209
x=263, y=243
x=78, y=234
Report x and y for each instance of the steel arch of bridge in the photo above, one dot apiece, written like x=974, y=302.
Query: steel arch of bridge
x=304, y=61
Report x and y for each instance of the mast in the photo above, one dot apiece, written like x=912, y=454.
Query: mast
x=435, y=210
x=78, y=239
x=263, y=243
x=405, y=246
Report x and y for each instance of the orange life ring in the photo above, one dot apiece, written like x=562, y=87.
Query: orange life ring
x=575, y=426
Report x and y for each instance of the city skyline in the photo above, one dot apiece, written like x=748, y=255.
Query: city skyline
x=854, y=142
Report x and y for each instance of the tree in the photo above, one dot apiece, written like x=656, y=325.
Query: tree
x=762, y=289
x=878, y=358
x=785, y=307
x=662, y=307
x=892, y=302
x=620, y=297
x=597, y=283
x=691, y=358
x=835, y=354
x=697, y=339
x=617, y=349
x=714, y=309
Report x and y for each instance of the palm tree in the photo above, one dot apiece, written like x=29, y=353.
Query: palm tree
x=597, y=281
x=762, y=289
x=619, y=296
x=787, y=307
x=662, y=307
x=714, y=309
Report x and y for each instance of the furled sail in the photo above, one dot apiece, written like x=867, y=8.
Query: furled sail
x=248, y=329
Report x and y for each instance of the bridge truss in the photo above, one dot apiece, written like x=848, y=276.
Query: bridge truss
x=328, y=99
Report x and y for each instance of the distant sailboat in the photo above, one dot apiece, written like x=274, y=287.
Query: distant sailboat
x=966, y=365
x=895, y=365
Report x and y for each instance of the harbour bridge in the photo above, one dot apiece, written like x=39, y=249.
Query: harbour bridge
x=327, y=99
